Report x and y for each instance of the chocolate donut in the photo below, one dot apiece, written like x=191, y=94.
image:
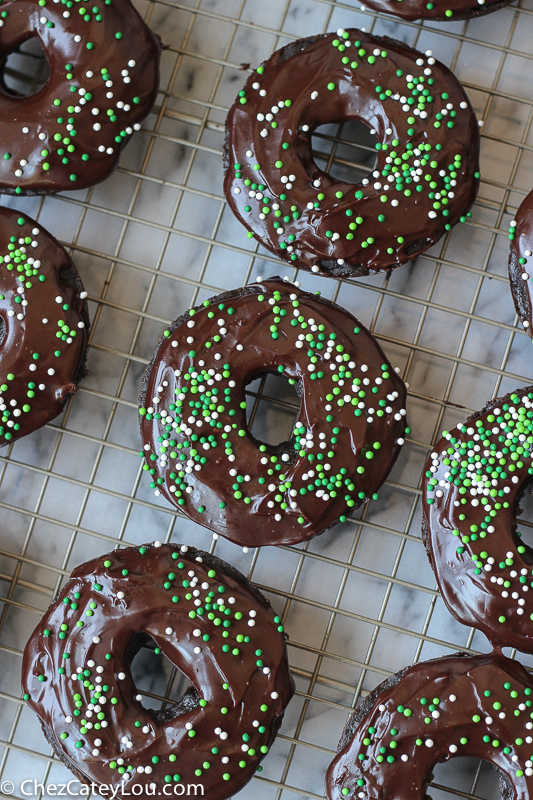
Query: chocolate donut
x=198, y=450
x=210, y=622
x=440, y=10
x=458, y=705
x=43, y=326
x=521, y=262
x=427, y=144
x=473, y=483
x=104, y=65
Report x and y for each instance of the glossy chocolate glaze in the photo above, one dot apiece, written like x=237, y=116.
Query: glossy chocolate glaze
x=233, y=653
x=475, y=716
x=38, y=370
x=347, y=434
x=326, y=225
x=521, y=262
x=439, y=10
x=484, y=572
x=70, y=133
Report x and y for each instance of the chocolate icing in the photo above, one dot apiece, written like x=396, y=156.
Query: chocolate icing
x=439, y=10
x=459, y=705
x=233, y=653
x=317, y=222
x=347, y=434
x=104, y=75
x=484, y=572
x=521, y=262
x=38, y=370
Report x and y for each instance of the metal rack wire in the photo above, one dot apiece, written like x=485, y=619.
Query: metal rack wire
x=360, y=601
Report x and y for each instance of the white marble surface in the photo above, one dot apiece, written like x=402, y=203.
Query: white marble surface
x=358, y=602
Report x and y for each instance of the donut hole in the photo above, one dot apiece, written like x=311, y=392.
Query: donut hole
x=524, y=517
x=345, y=150
x=465, y=776
x=272, y=407
x=157, y=679
x=26, y=70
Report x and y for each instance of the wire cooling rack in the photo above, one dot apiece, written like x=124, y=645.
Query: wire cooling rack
x=360, y=601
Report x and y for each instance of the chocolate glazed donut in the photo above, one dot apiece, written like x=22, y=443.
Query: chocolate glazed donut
x=473, y=483
x=104, y=75
x=43, y=326
x=349, y=429
x=521, y=262
x=427, y=145
x=460, y=705
x=210, y=622
x=439, y=10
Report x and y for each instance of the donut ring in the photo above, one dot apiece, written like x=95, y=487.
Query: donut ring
x=104, y=74
x=233, y=653
x=427, y=145
x=438, y=10
x=484, y=574
x=521, y=262
x=459, y=705
x=41, y=296
x=347, y=434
